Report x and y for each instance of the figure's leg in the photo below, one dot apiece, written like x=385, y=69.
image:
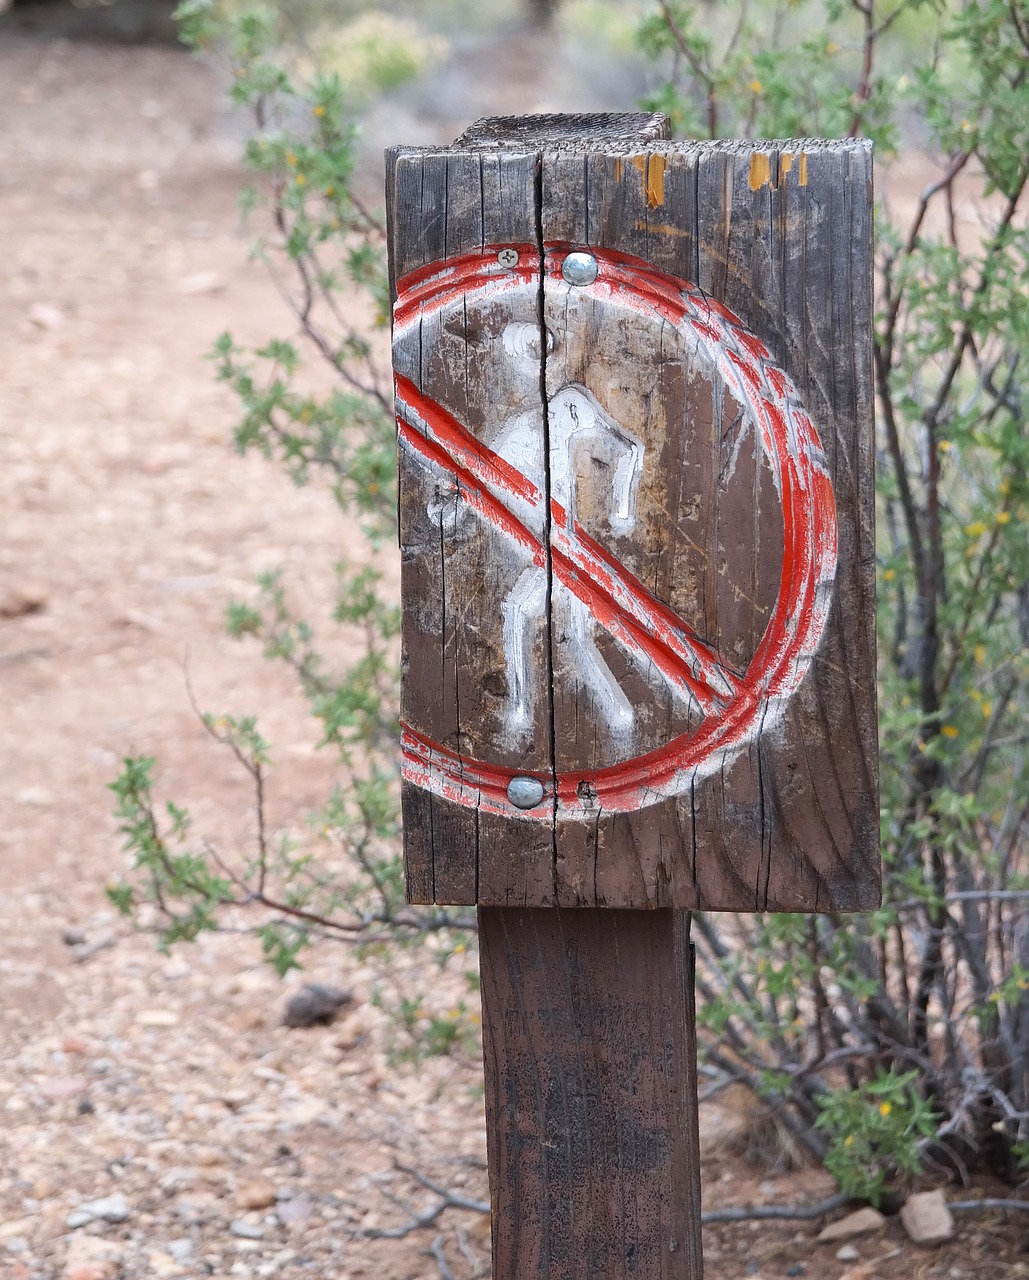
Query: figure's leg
x=521, y=611
x=591, y=670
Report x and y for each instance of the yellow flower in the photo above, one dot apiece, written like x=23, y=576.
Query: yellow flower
x=885, y=1108
x=976, y=529
x=987, y=709
x=1005, y=486
x=832, y=47
x=460, y=949
x=319, y=110
x=945, y=446
x=979, y=653
x=889, y=575
x=949, y=730
x=291, y=157
x=756, y=86
x=301, y=180
x=1003, y=517
x=848, y=1141
x=330, y=191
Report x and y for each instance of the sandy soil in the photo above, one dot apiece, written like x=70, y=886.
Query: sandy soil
x=239, y=1147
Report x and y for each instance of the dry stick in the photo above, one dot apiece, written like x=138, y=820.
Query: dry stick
x=752, y=1213
x=686, y=49
x=803, y=1214
x=435, y=1251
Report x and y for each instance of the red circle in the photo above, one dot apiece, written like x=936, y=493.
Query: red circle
x=789, y=440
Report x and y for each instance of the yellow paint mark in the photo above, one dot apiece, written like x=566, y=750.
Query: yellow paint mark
x=661, y=228
x=656, y=166
x=652, y=171
x=760, y=171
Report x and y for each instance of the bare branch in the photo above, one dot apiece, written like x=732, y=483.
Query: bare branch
x=418, y=1221
x=801, y=1213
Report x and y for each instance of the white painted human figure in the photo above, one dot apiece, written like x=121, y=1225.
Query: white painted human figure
x=583, y=439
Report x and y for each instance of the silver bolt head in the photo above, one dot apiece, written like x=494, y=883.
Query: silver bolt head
x=580, y=268
x=525, y=793
x=508, y=257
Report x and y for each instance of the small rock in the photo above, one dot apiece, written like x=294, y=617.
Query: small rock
x=35, y=797
x=44, y=316
x=315, y=1005
x=247, y=1231
x=178, y=1177
x=15, y=1227
x=157, y=1018
x=257, y=1194
x=847, y=1254
x=92, y=1258
x=200, y=282
x=299, y=1209
x=163, y=1266
x=17, y=600
x=82, y=951
x=108, y=1209
x=63, y=1087
x=95, y=1270
x=926, y=1218
x=854, y=1224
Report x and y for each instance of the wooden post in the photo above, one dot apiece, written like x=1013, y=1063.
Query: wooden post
x=634, y=419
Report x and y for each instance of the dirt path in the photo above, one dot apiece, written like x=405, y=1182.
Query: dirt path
x=230, y=1145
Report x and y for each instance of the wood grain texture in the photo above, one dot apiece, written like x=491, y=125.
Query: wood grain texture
x=590, y=1061
x=641, y=425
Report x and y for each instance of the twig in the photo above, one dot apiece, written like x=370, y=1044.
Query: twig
x=796, y=1212
x=689, y=53
x=447, y=1200
x=436, y=1251
x=969, y=1206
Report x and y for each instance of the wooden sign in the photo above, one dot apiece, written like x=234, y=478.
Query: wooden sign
x=634, y=415
x=634, y=409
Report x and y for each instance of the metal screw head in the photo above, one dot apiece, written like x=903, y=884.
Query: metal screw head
x=508, y=257
x=580, y=268
x=525, y=793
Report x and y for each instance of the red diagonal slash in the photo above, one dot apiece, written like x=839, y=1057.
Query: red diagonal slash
x=735, y=707
x=616, y=599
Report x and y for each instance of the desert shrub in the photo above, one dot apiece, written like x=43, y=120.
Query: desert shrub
x=820, y=1015
x=878, y=1040
x=326, y=251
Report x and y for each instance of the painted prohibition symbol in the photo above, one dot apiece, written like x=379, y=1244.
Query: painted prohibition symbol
x=734, y=707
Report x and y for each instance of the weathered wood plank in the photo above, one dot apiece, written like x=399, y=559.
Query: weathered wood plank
x=447, y=206
x=590, y=1060
x=668, y=644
